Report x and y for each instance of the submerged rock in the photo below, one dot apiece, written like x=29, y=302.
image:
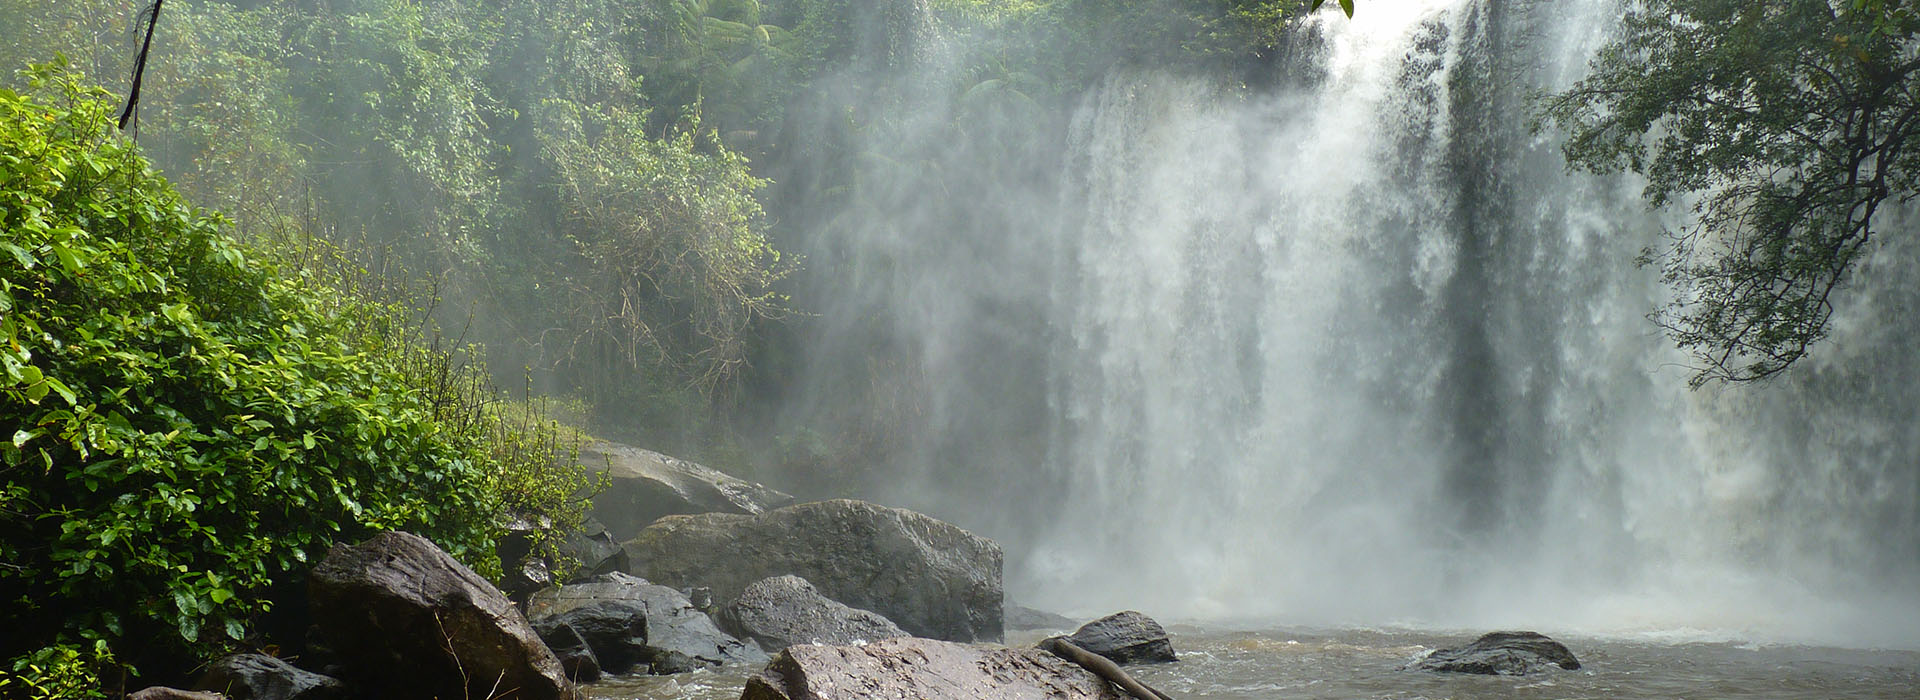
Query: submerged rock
x=783, y=611
x=409, y=621
x=1500, y=653
x=644, y=486
x=1127, y=638
x=1020, y=617
x=929, y=577
x=262, y=677
x=628, y=623
x=923, y=669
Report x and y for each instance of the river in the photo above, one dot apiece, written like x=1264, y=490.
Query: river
x=1306, y=664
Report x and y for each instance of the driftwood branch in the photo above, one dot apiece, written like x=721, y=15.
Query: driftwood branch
x=1100, y=666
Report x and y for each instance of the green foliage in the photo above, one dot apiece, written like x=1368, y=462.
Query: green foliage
x=1786, y=126
x=195, y=420
x=61, y=672
x=666, y=235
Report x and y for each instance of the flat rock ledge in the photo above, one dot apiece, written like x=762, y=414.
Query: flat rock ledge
x=923, y=669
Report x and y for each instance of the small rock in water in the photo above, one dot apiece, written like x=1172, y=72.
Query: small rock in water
x=1127, y=638
x=1500, y=653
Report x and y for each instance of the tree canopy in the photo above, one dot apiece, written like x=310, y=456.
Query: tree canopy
x=1787, y=127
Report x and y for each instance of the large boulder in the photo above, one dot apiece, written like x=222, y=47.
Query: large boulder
x=644, y=486
x=1127, y=638
x=262, y=677
x=924, y=669
x=931, y=578
x=783, y=611
x=410, y=622
x=1020, y=617
x=628, y=623
x=1501, y=653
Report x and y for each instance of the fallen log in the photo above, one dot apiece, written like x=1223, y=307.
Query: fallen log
x=1100, y=666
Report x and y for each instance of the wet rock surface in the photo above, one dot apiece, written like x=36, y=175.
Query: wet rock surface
x=1127, y=638
x=929, y=577
x=783, y=611
x=645, y=485
x=262, y=677
x=924, y=669
x=408, y=620
x=1020, y=617
x=628, y=624
x=1501, y=653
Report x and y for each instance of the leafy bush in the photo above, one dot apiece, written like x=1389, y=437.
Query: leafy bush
x=195, y=420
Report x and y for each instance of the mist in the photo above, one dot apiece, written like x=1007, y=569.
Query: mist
x=1337, y=341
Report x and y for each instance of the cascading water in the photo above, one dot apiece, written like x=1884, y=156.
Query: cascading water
x=1358, y=351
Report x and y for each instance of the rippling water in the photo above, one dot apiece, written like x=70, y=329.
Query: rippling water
x=1366, y=664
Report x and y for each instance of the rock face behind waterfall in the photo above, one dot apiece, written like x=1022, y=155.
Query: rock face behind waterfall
x=1501, y=653
x=645, y=485
x=410, y=621
x=1127, y=638
x=782, y=611
x=931, y=578
x=924, y=669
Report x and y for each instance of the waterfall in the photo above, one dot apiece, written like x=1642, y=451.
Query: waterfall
x=1358, y=351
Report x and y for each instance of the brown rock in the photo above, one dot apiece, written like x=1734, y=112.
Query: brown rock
x=413, y=623
x=923, y=669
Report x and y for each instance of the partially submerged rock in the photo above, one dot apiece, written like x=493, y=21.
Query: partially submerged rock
x=923, y=669
x=262, y=677
x=783, y=611
x=931, y=578
x=645, y=485
x=628, y=624
x=408, y=620
x=1501, y=653
x=1127, y=638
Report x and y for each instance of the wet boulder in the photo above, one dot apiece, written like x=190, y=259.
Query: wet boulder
x=262, y=677
x=406, y=620
x=929, y=577
x=629, y=624
x=924, y=669
x=783, y=611
x=644, y=485
x=1501, y=653
x=1127, y=638
x=596, y=550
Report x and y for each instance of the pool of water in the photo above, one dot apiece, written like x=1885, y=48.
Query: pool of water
x=1264, y=664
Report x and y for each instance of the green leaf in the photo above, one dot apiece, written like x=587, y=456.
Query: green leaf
x=1348, y=6
x=220, y=595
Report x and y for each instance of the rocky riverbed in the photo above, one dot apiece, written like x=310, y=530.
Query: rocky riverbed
x=1267, y=664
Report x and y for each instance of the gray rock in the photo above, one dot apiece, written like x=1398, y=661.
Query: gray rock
x=630, y=624
x=595, y=549
x=923, y=669
x=1127, y=638
x=1020, y=617
x=160, y=692
x=262, y=677
x=576, y=656
x=409, y=621
x=930, y=578
x=645, y=485
x=1501, y=653
x=783, y=611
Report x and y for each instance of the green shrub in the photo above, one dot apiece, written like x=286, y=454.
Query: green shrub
x=193, y=420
